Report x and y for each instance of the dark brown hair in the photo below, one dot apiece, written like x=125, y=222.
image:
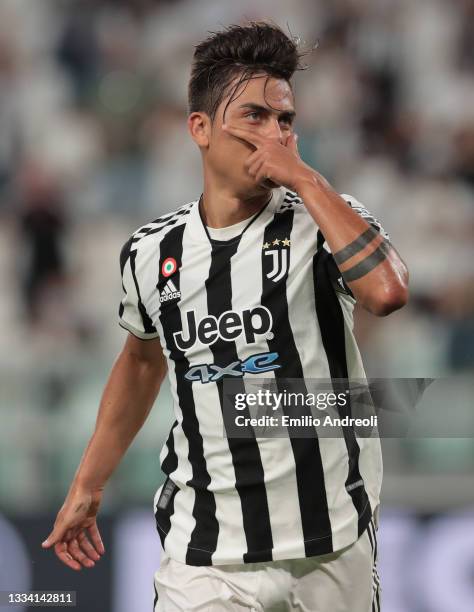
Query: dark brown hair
x=248, y=50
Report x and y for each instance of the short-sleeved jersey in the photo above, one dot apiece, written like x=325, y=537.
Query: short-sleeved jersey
x=227, y=308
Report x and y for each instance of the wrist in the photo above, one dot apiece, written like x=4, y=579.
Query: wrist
x=309, y=182
x=86, y=485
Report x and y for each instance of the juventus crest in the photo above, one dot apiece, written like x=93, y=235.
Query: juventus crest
x=280, y=258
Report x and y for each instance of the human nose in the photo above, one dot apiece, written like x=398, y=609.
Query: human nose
x=273, y=130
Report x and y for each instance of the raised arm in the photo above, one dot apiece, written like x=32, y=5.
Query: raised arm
x=129, y=394
x=370, y=265
x=368, y=262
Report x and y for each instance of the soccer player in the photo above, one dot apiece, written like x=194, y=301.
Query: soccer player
x=256, y=277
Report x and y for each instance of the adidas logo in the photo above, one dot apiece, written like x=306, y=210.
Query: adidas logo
x=169, y=292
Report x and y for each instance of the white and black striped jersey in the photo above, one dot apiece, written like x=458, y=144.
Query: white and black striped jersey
x=273, y=289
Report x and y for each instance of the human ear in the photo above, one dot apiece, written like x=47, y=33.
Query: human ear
x=199, y=127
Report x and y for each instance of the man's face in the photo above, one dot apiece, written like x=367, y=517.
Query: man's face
x=262, y=104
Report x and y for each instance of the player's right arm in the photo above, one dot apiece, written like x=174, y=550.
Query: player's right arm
x=128, y=397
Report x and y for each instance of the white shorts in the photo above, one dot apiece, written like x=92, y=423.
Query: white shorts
x=345, y=581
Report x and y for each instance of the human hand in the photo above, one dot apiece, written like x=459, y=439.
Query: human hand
x=272, y=163
x=75, y=536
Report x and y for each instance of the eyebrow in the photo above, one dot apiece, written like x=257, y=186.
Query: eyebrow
x=289, y=114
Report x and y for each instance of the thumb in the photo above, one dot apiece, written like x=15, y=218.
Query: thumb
x=55, y=536
x=292, y=142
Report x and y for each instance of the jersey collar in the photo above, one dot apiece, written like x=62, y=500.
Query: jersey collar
x=199, y=232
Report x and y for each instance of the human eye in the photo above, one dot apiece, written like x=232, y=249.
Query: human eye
x=287, y=122
x=254, y=115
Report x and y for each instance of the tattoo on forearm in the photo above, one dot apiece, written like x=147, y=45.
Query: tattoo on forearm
x=355, y=246
x=369, y=263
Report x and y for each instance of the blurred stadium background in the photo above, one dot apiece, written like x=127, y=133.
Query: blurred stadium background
x=93, y=143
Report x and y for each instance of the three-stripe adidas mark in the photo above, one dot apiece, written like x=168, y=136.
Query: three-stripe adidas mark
x=170, y=292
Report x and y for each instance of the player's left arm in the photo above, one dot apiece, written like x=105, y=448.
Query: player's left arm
x=368, y=262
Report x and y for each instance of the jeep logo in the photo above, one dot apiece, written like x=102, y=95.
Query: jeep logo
x=229, y=326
